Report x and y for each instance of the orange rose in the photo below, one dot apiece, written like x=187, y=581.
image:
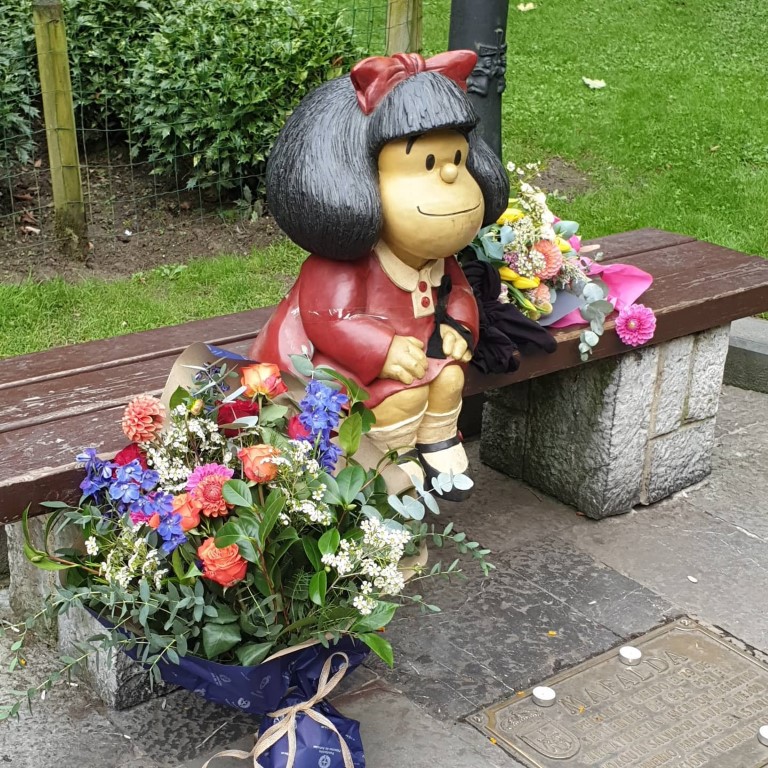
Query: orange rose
x=262, y=379
x=225, y=566
x=257, y=462
x=189, y=510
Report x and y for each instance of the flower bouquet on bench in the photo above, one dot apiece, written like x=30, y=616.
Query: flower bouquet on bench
x=237, y=548
x=545, y=271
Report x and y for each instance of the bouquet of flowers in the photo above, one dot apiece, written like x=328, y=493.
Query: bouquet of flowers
x=238, y=548
x=544, y=269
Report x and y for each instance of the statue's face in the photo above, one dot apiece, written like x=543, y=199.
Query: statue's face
x=432, y=206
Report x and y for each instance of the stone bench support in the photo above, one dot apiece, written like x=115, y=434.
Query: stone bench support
x=117, y=680
x=615, y=433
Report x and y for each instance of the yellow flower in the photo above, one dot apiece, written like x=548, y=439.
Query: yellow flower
x=523, y=283
x=563, y=244
x=526, y=283
x=510, y=216
x=505, y=273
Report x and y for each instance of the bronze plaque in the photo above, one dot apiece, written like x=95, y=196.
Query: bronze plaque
x=693, y=701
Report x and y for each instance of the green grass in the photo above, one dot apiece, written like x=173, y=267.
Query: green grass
x=677, y=140
x=36, y=316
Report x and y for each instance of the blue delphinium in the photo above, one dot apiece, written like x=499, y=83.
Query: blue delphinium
x=321, y=414
x=169, y=530
x=98, y=473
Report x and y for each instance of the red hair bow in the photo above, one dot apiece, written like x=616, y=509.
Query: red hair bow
x=375, y=77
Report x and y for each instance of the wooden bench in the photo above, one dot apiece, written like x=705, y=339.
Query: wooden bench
x=628, y=427
x=54, y=403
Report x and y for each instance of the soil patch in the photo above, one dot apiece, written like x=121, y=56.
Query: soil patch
x=136, y=222
x=561, y=178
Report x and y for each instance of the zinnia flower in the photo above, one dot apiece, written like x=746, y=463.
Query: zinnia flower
x=143, y=419
x=636, y=325
x=552, y=257
x=205, y=486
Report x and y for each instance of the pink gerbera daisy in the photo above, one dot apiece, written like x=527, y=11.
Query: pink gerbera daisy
x=636, y=325
x=205, y=486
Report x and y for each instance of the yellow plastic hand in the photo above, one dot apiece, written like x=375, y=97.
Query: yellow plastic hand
x=454, y=344
x=405, y=361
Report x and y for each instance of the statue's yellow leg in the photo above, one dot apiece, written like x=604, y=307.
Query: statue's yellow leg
x=436, y=437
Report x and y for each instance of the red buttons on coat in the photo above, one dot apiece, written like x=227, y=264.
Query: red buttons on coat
x=425, y=302
x=423, y=286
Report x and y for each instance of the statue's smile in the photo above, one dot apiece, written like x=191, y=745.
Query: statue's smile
x=453, y=213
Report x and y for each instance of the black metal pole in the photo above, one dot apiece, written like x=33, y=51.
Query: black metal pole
x=481, y=26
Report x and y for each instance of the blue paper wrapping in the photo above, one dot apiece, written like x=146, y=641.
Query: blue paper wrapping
x=316, y=745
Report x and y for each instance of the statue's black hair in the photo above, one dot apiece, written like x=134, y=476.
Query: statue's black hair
x=322, y=174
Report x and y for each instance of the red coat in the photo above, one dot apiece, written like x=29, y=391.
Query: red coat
x=348, y=313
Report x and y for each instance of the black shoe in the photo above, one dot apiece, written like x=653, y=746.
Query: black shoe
x=455, y=494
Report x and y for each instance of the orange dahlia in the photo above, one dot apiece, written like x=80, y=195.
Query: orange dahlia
x=552, y=257
x=143, y=419
x=206, y=489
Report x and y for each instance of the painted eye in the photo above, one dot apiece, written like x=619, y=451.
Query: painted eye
x=430, y=162
x=457, y=157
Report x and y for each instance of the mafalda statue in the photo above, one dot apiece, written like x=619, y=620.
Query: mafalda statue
x=382, y=177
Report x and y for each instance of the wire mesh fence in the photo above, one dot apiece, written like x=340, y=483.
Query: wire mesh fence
x=175, y=105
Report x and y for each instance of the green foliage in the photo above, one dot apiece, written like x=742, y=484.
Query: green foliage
x=18, y=74
x=213, y=87
x=105, y=38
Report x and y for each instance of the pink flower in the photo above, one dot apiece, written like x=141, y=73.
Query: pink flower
x=205, y=486
x=206, y=470
x=552, y=257
x=636, y=325
x=143, y=418
x=575, y=242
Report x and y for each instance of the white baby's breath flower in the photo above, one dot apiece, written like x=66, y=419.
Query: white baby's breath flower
x=92, y=546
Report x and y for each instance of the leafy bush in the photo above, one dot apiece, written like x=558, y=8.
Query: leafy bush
x=18, y=74
x=105, y=38
x=213, y=87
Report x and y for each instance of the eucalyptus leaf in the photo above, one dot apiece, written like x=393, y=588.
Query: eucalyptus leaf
x=462, y=482
x=591, y=338
x=302, y=365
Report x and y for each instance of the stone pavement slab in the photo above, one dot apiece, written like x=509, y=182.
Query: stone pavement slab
x=716, y=532
x=397, y=733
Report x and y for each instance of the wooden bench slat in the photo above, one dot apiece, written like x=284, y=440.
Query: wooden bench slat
x=49, y=400
x=625, y=244
x=104, y=353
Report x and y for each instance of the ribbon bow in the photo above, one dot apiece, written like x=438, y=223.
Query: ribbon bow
x=374, y=77
x=286, y=721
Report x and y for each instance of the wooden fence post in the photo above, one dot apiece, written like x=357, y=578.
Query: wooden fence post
x=404, y=21
x=59, y=115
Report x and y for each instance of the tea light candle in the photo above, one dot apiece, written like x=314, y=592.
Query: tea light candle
x=630, y=655
x=543, y=696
